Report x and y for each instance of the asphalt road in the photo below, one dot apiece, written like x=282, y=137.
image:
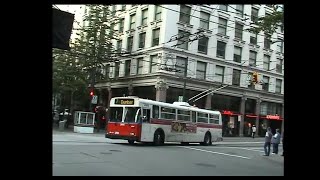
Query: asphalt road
x=92, y=155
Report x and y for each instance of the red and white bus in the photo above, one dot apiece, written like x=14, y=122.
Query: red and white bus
x=143, y=120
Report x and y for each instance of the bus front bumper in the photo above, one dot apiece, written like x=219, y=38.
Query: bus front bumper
x=134, y=138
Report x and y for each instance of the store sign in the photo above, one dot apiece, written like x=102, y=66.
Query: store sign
x=273, y=117
x=227, y=112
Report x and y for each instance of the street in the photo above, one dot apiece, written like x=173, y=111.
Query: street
x=93, y=155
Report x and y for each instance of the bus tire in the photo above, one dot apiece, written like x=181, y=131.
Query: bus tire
x=207, y=139
x=131, y=141
x=158, y=137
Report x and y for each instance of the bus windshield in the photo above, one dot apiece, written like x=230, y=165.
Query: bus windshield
x=116, y=114
x=130, y=113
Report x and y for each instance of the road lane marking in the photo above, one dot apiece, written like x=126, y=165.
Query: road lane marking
x=215, y=152
x=250, y=149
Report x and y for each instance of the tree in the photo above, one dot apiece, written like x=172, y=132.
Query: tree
x=269, y=23
x=74, y=70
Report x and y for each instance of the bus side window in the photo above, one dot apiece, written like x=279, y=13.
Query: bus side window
x=194, y=116
x=146, y=115
x=155, y=110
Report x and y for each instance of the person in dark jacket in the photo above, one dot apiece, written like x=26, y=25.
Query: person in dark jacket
x=276, y=141
x=267, y=142
x=282, y=144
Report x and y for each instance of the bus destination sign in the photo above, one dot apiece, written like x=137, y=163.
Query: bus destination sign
x=124, y=101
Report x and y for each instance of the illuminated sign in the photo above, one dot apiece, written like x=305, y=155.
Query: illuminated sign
x=124, y=101
x=273, y=117
x=227, y=112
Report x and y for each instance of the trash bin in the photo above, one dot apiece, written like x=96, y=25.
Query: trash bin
x=62, y=125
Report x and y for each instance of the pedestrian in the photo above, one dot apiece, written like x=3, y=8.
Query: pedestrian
x=276, y=141
x=282, y=144
x=254, y=129
x=267, y=142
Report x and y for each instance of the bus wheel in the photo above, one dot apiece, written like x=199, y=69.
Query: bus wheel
x=131, y=141
x=207, y=140
x=158, y=138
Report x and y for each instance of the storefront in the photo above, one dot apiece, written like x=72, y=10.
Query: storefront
x=272, y=121
x=230, y=123
x=249, y=117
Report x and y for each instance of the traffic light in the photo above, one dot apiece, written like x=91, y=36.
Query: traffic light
x=91, y=93
x=255, y=77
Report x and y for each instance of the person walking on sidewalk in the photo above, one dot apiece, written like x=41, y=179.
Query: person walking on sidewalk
x=267, y=142
x=276, y=141
x=254, y=129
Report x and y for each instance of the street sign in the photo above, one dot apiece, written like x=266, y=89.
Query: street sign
x=94, y=100
x=180, y=99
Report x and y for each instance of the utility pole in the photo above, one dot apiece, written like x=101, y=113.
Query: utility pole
x=185, y=79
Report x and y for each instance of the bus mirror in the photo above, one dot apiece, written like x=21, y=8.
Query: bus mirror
x=144, y=118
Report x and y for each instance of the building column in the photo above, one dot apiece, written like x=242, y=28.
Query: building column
x=257, y=112
x=130, y=90
x=282, y=115
x=208, y=101
x=100, y=96
x=109, y=96
x=242, y=111
x=161, y=91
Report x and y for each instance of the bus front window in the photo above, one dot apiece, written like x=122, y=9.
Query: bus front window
x=130, y=113
x=116, y=114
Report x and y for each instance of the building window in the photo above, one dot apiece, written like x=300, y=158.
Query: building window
x=145, y=17
x=238, y=31
x=157, y=13
x=119, y=46
x=130, y=44
x=239, y=9
x=185, y=14
x=155, y=35
x=223, y=7
x=180, y=66
x=236, y=77
x=132, y=21
x=142, y=39
x=107, y=71
x=280, y=46
x=237, y=54
x=278, y=85
x=127, y=66
x=254, y=15
x=252, y=58
x=266, y=62
x=203, y=45
x=201, y=70
x=123, y=7
x=265, y=85
x=222, y=27
x=219, y=73
x=221, y=49
x=121, y=25
x=204, y=20
x=267, y=41
x=140, y=65
x=183, y=38
x=116, y=69
x=153, y=64
x=279, y=66
x=253, y=39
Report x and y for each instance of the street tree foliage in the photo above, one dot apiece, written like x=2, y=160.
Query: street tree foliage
x=269, y=23
x=72, y=70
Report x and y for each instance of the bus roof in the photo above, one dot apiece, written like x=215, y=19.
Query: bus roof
x=158, y=103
